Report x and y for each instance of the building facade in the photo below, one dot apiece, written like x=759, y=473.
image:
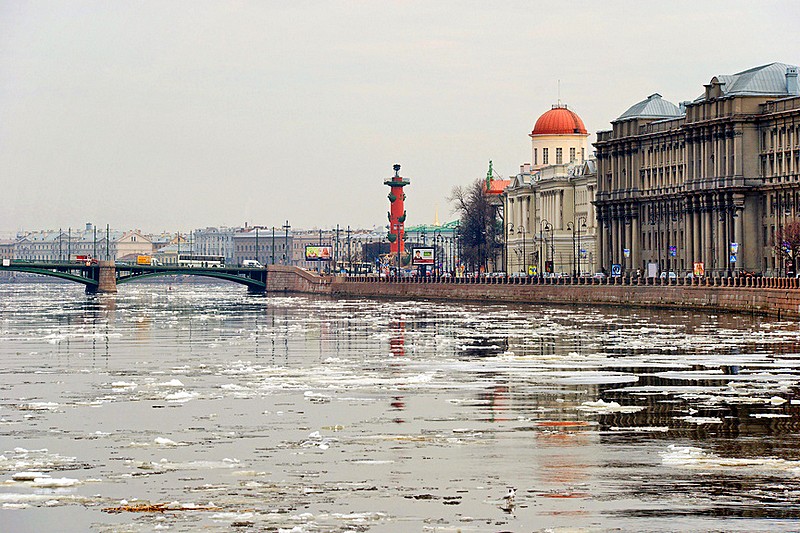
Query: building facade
x=549, y=217
x=702, y=187
x=215, y=241
x=265, y=245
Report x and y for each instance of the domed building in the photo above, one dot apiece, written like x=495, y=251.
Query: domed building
x=549, y=216
x=558, y=137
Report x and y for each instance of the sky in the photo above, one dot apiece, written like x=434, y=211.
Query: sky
x=168, y=116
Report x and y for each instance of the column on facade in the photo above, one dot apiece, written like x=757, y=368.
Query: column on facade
x=737, y=233
x=688, y=237
x=601, y=239
x=636, y=237
x=719, y=234
x=697, y=243
x=707, y=246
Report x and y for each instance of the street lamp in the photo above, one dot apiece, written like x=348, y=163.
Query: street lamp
x=546, y=227
x=581, y=224
x=571, y=229
x=437, y=238
x=508, y=256
x=286, y=227
x=521, y=231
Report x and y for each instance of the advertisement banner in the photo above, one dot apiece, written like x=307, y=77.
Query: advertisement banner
x=318, y=252
x=699, y=269
x=422, y=256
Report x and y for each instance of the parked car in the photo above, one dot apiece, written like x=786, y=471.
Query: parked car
x=670, y=275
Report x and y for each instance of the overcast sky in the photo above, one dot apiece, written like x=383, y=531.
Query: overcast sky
x=175, y=115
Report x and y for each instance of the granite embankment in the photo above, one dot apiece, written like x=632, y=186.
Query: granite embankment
x=778, y=297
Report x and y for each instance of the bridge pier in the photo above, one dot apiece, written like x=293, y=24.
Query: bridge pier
x=106, y=278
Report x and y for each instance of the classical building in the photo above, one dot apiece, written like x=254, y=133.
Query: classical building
x=265, y=245
x=704, y=185
x=548, y=212
x=215, y=241
x=60, y=245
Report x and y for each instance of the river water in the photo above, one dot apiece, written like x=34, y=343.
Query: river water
x=225, y=411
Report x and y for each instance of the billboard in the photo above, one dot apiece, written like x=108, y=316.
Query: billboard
x=318, y=252
x=422, y=256
x=699, y=269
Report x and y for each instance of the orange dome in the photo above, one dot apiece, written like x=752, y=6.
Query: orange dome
x=559, y=121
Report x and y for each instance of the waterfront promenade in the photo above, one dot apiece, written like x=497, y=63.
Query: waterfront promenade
x=778, y=297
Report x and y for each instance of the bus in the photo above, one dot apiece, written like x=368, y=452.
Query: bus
x=201, y=261
x=355, y=268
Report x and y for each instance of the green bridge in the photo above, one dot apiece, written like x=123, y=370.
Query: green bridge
x=104, y=276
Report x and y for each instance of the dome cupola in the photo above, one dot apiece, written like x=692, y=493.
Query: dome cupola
x=559, y=121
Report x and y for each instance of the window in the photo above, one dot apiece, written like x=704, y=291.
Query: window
x=583, y=154
x=559, y=156
x=535, y=156
x=545, y=156
x=572, y=155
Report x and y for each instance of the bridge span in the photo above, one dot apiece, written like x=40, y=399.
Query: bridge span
x=778, y=297
x=104, y=276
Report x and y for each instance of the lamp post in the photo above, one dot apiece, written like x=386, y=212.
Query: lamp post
x=349, y=254
x=273, y=245
x=437, y=239
x=571, y=229
x=257, y=250
x=508, y=256
x=286, y=227
x=581, y=223
x=524, y=266
x=546, y=227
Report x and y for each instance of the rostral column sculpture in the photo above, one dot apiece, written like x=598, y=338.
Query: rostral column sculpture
x=397, y=213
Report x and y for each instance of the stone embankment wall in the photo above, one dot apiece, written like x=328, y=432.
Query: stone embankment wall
x=767, y=296
x=288, y=279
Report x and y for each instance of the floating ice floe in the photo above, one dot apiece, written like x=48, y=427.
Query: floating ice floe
x=170, y=383
x=27, y=476
x=123, y=385
x=55, y=483
x=602, y=407
x=39, y=406
x=181, y=396
x=700, y=420
x=163, y=441
x=697, y=458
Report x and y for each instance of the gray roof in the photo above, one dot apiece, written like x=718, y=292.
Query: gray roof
x=652, y=107
x=764, y=80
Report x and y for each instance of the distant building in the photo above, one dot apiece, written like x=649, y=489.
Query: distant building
x=132, y=244
x=215, y=241
x=265, y=245
x=6, y=250
x=60, y=245
x=548, y=213
x=706, y=183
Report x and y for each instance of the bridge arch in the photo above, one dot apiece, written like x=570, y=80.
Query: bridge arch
x=90, y=283
x=252, y=284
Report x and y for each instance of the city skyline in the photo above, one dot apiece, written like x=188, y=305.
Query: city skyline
x=186, y=115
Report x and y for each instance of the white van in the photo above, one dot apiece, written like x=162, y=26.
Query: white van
x=252, y=263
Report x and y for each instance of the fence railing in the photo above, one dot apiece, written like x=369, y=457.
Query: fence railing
x=715, y=281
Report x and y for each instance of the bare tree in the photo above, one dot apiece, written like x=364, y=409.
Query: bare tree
x=479, y=232
x=787, y=244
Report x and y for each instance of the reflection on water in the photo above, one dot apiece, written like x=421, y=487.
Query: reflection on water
x=311, y=414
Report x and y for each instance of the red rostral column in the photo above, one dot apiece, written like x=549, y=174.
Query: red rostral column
x=397, y=214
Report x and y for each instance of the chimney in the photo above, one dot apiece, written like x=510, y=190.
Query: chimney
x=89, y=224
x=791, y=81
x=525, y=168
